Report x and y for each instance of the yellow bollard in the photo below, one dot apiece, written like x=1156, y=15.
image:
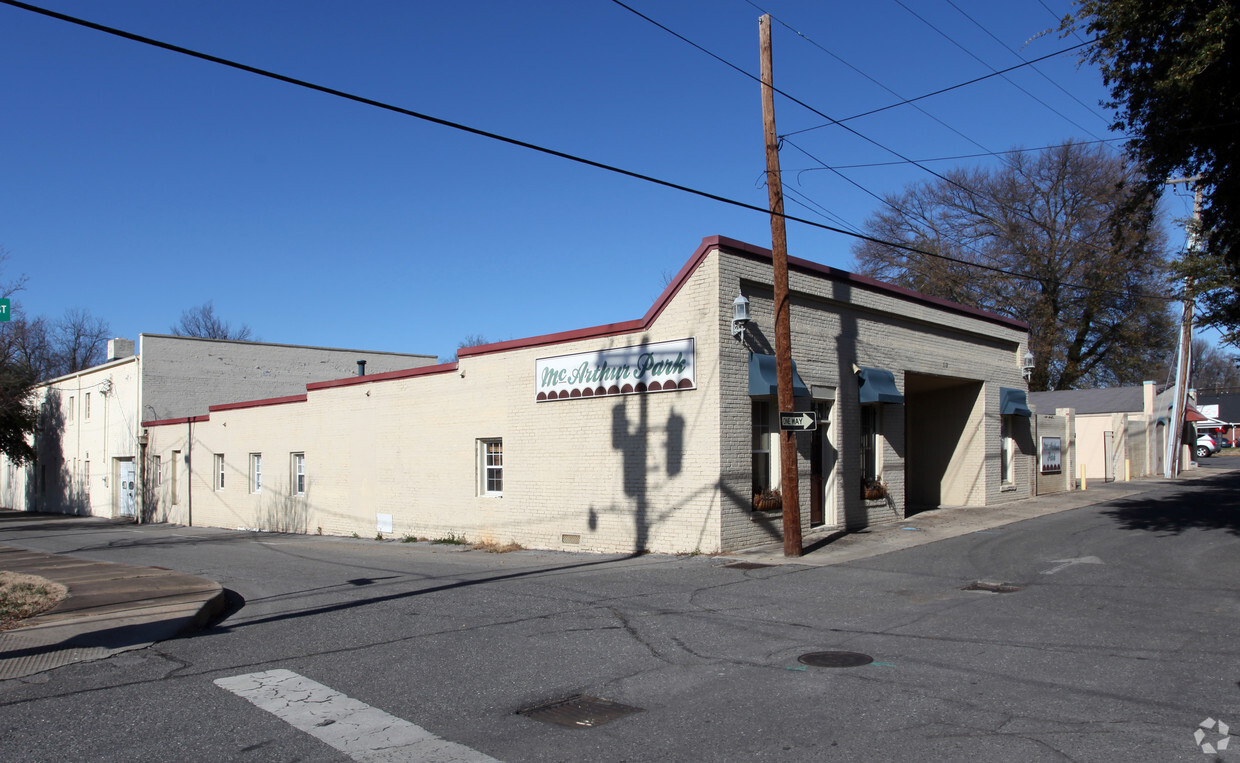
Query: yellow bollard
x=1083, y=485
x=1127, y=470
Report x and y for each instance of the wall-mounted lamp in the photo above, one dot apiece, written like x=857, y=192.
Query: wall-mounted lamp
x=740, y=315
x=1027, y=369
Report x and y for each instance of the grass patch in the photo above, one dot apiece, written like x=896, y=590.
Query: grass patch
x=493, y=547
x=23, y=596
x=452, y=539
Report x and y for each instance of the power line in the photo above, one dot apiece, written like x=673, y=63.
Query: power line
x=1040, y=73
x=988, y=66
x=524, y=144
x=959, y=156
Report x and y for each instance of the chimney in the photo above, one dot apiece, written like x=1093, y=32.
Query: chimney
x=119, y=348
x=361, y=368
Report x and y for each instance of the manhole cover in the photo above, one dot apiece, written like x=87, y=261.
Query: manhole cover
x=835, y=659
x=747, y=565
x=987, y=587
x=579, y=711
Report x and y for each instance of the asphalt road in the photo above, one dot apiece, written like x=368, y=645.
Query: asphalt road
x=1119, y=640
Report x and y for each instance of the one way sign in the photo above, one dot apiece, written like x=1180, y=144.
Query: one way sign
x=797, y=421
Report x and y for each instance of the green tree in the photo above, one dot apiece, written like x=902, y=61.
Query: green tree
x=18, y=412
x=1172, y=69
x=1054, y=221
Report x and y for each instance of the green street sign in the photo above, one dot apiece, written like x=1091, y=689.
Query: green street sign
x=4, y=309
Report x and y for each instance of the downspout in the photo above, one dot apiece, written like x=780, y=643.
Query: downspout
x=189, y=473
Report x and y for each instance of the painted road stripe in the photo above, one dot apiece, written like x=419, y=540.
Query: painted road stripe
x=358, y=730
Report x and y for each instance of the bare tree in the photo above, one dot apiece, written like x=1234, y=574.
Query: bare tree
x=79, y=341
x=471, y=340
x=202, y=322
x=1082, y=266
x=1214, y=371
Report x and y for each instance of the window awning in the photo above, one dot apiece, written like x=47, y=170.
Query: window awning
x=1192, y=414
x=1012, y=402
x=878, y=386
x=763, y=380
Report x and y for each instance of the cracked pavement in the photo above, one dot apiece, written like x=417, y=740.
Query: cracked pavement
x=1118, y=658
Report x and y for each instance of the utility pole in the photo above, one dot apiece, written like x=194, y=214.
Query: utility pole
x=789, y=493
x=1179, y=406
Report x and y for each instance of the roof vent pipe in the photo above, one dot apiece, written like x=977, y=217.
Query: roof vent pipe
x=361, y=368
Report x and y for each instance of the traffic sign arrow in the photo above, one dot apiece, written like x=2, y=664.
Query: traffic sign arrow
x=797, y=421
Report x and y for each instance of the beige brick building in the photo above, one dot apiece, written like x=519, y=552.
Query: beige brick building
x=654, y=434
x=90, y=426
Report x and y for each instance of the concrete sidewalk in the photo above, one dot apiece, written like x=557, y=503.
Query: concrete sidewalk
x=110, y=608
x=837, y=547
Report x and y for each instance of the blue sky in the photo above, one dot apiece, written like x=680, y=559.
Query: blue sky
x=138, y=182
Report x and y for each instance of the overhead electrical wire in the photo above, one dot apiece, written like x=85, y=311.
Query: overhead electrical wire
x=532, y=146
x=1040, y=73
x=977, y=58
x=960, y=156
x=905, y=160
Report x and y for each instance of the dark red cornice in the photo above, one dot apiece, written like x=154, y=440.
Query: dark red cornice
x=173, y=422
x=871, y=284
x=407, y=373
x=258, y=403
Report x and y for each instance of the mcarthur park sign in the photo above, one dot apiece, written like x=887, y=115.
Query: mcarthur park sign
x=656, y=367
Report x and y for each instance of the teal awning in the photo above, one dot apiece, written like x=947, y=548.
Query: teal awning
x=763, y=381
x=878, y=386
x=1012, y=402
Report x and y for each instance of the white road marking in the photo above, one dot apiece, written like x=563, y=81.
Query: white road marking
x=358, y=730
x=1062, y=563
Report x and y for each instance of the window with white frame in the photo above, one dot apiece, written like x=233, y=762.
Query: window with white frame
x=86, y=407
x=72, y=405
x=157, y=471
x=760, y=445
x=86, y=477
x=219, y=471
x=256, y=472
x=491, y=467
x=1007, y=457
x=298, y=480
x=869, y=442
x=173, y=497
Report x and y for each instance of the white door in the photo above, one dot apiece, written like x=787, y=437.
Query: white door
x=127, y=488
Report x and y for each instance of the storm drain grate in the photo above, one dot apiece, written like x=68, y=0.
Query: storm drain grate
x=579, y=711
x=747, y=565
x=835, y=659
x=986, y=586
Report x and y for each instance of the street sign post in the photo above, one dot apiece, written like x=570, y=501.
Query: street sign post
x=797, y=421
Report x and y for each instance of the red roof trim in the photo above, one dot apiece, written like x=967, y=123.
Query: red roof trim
x=173, y=422
x=738, y=247
x=408, y=373
x=607, y=329
x=872, y=284
x=258, y=403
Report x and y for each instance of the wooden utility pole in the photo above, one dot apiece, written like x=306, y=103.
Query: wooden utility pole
x=1183, y=367
x=783, y=324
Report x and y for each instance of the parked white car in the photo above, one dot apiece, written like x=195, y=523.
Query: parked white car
x=1206, y=446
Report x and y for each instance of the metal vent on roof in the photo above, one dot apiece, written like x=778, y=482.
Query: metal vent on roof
x=579, y=711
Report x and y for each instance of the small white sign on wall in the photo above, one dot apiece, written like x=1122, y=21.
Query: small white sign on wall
x=642, y=368
x=383, y=523
x=1051, y=455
